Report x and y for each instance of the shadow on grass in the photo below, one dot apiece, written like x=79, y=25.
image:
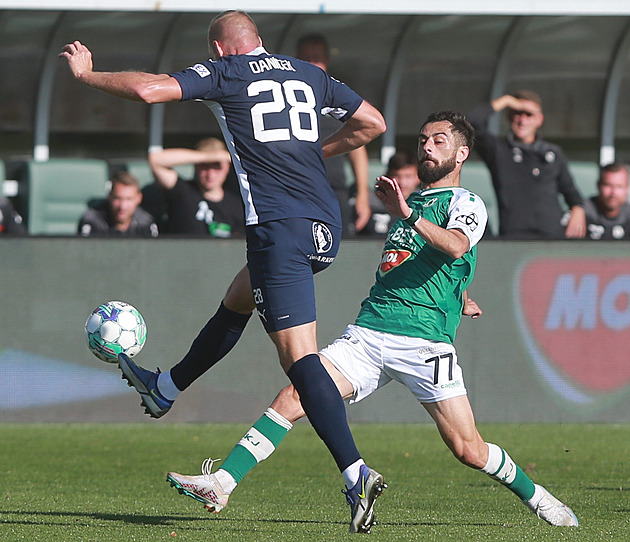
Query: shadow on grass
x=6, y=517
x=125, y=518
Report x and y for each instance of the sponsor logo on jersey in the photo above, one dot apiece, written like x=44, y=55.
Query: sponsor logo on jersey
x=391, y=259
x=322, y=237
x=322, y=259
x=471, y=221
x=430, y=203
x=201, y=70
x=574, y=316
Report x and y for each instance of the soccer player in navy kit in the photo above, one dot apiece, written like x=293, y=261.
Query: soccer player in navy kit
x=268, y=107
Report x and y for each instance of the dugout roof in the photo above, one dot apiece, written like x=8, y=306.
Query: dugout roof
x=405, y=59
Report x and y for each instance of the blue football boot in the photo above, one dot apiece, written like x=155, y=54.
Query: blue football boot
x=145, y=382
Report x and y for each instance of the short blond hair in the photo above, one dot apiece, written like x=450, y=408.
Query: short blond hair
x=234, y=27
x=210, y=144
x=125, y=178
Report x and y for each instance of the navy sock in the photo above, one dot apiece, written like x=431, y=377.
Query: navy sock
x=214, y=341
x=325, y=408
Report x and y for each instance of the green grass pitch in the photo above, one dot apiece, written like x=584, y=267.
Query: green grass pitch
x=107, y=483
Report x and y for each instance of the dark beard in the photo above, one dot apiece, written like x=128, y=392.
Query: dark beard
x=430, y=173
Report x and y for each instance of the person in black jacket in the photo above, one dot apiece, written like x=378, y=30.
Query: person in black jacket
x=199, y=206
x=528, y=173
x=608, y=213
x=120, y=215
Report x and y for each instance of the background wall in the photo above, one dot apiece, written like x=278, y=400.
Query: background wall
x=552, y=345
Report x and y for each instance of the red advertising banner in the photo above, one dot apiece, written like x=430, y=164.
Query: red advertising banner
x=574, y=316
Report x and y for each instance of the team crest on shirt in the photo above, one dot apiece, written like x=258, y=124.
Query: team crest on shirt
x=391, y=259
x=323, y=237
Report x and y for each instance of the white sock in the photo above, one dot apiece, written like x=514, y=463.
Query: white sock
x=351, y=473
x=167, y=387
x=538, y=494
x=500, y=465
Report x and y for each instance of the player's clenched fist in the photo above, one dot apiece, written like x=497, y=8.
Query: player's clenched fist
x=79, y=58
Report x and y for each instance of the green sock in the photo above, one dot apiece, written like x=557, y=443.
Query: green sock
x=257, y=444
x=522, y=485
x=502, y=468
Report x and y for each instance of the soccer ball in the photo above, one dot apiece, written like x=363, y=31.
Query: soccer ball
x=115, y=328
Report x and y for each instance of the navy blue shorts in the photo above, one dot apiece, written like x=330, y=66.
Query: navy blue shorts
x=282, y=257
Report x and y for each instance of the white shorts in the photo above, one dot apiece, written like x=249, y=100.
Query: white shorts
x=370, y=359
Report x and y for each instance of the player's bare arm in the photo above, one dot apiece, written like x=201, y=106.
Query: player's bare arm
x=366, y=124
x=452, y=242
x=136, y=86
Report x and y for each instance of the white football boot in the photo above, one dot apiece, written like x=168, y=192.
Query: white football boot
x=205, y=487
x=553, y=511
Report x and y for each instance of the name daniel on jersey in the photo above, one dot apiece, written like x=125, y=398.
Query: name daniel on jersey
x=271, y=63
x=257, y=66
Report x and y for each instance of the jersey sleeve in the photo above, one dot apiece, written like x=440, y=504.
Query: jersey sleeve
x=198, y=81
x=467, y=212
x=341, y=101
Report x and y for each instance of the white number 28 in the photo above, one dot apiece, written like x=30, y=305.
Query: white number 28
x=281, y=95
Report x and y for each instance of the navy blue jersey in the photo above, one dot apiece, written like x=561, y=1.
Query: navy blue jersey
x=268, y=107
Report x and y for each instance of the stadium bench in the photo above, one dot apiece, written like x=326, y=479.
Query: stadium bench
x=59, y=192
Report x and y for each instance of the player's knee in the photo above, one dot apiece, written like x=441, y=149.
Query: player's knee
x=239, y=301
x=239, y=297
x=469, y=453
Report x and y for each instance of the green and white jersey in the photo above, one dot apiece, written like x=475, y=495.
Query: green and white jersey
x=419, y=289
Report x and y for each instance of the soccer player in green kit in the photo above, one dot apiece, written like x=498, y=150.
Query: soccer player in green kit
x=405, y=330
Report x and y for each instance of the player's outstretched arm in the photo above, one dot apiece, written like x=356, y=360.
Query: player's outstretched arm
x=136, y=86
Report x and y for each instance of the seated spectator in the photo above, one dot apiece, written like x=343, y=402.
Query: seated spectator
x=527, y=172
x=402, y=166
x=10, y=220
x=608, y=213
x=120, y=214
x=199, y=206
